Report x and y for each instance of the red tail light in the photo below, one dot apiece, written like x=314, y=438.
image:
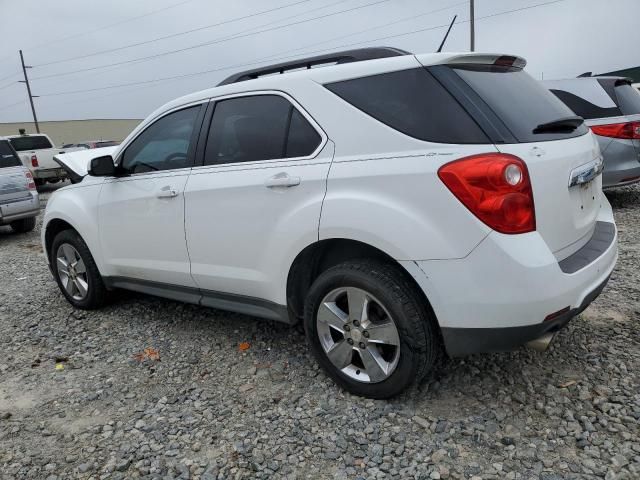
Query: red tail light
x=496, y=188
x=30, y=183
x=628, y=131
x=34, y=161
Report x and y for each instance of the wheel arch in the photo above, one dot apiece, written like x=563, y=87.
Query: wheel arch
x=324, y=254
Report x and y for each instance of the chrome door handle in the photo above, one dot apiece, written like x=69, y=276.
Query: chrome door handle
x=167, y=192
x=282, y=180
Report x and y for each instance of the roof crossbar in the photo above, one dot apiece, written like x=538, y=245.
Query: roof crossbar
x=347, y=56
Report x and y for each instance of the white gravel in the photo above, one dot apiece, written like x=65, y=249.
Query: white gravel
x=207, y=410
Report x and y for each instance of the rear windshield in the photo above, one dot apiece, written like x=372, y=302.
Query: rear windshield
x=584, y=107
x=628, y=99
x=521, y=102
x=414, y=103
x=31, y=142
x=8, y=158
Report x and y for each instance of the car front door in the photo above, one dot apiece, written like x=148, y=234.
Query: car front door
x=141, y=212
x=255, y=201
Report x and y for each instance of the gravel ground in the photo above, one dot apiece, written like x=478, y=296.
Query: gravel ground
x=80, y=397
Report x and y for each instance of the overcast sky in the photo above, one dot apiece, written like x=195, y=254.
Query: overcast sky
x=559, y=39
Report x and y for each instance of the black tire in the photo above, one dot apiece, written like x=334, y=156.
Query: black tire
x=97, y=294
x=24, y=225
x=417, y=328
x=39, y=182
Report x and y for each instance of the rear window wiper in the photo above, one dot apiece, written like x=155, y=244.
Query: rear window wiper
x=561, y=125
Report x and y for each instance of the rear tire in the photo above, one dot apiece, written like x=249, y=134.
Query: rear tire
x=24, y=225
x=377, y=360
x=76, y=272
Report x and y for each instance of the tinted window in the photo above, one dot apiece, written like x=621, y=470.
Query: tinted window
x=521, y=102
x=585, y=108
x=303, y=139
x=8, y=158
x=164, y=145
x=249, y=129
x=32, y=142
x=414, y=103
x=628, y=99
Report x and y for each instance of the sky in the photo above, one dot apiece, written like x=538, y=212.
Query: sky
x=91, y=59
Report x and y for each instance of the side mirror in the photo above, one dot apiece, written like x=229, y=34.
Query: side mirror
x=102, y=167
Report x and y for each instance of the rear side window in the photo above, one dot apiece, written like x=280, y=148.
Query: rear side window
x=414, y=103
x=8, y=158
x=521, y=102
x=628, y=99
x=303, y=138
x=260, y=127
x=31, y=142
x=583, y=107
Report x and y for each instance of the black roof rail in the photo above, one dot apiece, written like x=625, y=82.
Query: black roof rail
x=348, y=56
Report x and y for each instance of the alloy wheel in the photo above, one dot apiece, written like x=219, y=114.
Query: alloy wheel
x=358, y=335
x=72, y=271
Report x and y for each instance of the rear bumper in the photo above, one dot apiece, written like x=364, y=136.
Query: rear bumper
x=498, y=296
x=17, y=210
x=49, y=173
x=465, y=341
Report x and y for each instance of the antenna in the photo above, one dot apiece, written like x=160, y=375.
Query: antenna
x=447, y=34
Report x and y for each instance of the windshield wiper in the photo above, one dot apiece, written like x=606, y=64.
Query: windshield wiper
x=562, y=125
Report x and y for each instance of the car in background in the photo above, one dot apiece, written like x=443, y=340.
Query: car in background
x=19, y=203
x=611, y=108
x=36, y=152
x=90, y=144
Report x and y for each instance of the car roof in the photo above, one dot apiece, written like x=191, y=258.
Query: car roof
x=340, y=71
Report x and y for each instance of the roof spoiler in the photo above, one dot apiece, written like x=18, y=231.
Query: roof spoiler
x=347, y=56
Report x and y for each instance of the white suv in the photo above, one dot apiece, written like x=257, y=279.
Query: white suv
x=399, y=205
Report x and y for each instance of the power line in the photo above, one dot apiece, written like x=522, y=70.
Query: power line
x=213, y=42
x=111, y=25
x=4, y=107
x=10, y=84
x=178, y=34
x=279, y=56
x=14, y=74
x=287, y=56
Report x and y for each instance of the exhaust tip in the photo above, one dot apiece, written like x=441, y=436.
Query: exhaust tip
x=542, y=343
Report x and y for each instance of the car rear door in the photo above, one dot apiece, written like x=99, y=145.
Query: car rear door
x=255, y=201
x=141, y=212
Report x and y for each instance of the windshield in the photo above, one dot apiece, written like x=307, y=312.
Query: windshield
x=520, y=101
x=8, y=158
x=30, y=142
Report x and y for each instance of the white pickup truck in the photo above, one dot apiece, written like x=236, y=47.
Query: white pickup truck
x=36, y=152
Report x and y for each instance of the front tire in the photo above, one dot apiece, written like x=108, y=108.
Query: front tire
x=370, y=328
x=76, y=272
x=24, y=225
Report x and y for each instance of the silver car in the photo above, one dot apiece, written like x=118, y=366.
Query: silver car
x=19, y=203
x=611, y=108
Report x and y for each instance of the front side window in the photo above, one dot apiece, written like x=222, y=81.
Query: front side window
x=255, y=128
x=164, y=145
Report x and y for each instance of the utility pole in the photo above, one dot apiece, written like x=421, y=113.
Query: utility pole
x=472, y=24
x=31, y=97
